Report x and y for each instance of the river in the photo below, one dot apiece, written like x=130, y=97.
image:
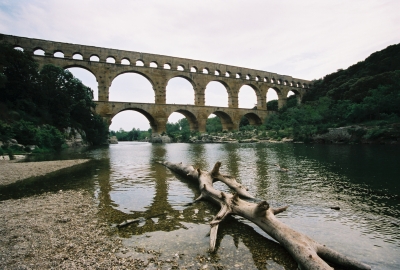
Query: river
x=363, y=180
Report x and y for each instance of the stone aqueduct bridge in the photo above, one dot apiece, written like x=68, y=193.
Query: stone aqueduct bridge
x=159, y=69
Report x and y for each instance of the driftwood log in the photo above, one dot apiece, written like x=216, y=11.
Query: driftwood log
x=308, y=253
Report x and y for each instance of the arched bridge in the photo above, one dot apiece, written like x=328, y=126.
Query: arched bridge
x=106, y=64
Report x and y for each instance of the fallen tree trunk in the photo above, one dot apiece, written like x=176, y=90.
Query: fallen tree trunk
x=308, y=253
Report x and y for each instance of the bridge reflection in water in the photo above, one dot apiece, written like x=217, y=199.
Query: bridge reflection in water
x=127, y=183
x=132, y=185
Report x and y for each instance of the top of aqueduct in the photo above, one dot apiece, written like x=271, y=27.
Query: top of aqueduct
x=152, y=60
x=159, y=69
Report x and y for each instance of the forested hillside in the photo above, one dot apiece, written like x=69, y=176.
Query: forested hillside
x=366, y=94
x=36, y=106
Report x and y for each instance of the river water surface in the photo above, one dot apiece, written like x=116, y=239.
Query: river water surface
x=363, y=180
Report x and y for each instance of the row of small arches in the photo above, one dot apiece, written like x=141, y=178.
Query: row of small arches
x=194, y=69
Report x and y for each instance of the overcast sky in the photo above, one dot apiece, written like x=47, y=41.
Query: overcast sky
x=305, y=39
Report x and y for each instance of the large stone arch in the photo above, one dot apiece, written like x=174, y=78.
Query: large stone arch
x=253, y=118
x=191, y=117
x=228, y=124
x=142, y=74
x=86, y=76
x=259, y=96
x=154, y=124
x=187, y=78
x=79, y=66
x=282, y=96
x=136, y=72
x=227, y=88
x=182, y=76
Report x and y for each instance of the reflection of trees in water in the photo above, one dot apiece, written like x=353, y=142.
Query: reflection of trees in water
x=262, y=178
x=169, y=219
x=197, y=156
x=232, y=159
x=158, y=152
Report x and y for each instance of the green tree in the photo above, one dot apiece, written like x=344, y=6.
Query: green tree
x=213, y=124
x=33, y=99
x=272, y=105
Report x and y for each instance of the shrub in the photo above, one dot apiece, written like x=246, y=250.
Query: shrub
x=6, y=132
x=373, y=133
x=49, y=137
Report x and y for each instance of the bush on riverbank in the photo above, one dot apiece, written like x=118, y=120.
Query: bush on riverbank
x=133, y=135
x=37, y=106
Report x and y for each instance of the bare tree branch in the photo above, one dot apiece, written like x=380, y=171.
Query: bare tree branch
x=308, y=253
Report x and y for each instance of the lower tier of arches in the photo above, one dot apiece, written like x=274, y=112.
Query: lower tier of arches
x=157, y=114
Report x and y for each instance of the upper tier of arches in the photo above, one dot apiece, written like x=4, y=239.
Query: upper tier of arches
x=131, y=58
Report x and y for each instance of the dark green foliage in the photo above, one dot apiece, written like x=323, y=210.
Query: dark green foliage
x=6, y=131
x=272, y=105
x=179, y=131
x=49, y=137
x=213, y=125
x=291, y=101
x=343, y=83
x=244, y=122
x=20, y=79
x=39, y=105
x=25, y=132
x=133, y=135
x=366, y=92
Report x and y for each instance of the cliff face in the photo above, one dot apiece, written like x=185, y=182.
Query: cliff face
x=74, y=138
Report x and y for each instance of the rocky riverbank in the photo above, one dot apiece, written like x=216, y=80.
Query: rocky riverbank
x=13, y=171
x=248, y=136
x=390, y=134
x=360, y=134
x=63, y=230
x=59, y=230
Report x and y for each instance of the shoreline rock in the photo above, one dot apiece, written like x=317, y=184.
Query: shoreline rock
x=113, y=140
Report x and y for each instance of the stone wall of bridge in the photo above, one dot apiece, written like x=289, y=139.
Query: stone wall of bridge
x=159, y=69
x=158, y=114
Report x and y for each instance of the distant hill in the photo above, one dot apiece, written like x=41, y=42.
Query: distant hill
x=353, y=83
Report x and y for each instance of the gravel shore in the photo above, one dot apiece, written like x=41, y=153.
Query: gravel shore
x=13, y=171
x=61, y=231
